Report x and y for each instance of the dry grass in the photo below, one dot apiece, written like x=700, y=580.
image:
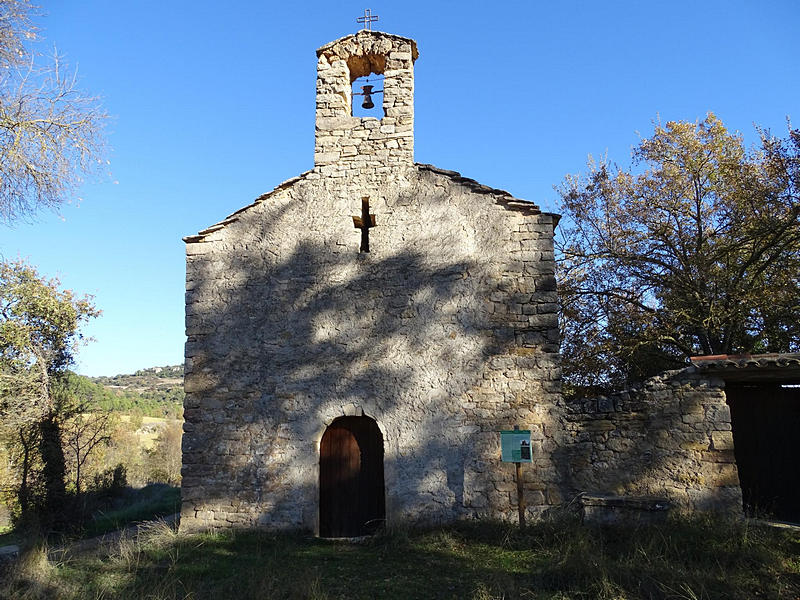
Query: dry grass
x=561, y=559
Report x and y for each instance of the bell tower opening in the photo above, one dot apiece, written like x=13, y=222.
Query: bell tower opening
x=367, y=96
x=366, y=83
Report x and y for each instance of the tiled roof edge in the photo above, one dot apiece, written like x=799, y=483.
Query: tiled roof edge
x=233, y=217
x=503, y=197
x=720, y=362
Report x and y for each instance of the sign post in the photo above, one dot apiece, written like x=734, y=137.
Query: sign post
x=515, y=446
x=520, y=496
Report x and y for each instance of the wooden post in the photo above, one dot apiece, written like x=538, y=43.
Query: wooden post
x=520, y=491
x=520, y=496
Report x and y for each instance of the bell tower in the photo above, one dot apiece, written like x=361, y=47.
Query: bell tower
x=347, y=145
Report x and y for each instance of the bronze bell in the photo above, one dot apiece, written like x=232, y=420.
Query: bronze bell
x=367, y=92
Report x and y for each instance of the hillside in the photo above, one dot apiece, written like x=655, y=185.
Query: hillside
x=151, y=380
x=154, y=392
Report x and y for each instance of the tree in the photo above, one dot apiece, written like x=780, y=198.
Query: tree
x=85, y=428
x=51, y=133
x=39, y=333
x=51, y=137
x=165, y=457
x=83, y=434
x=695, y=253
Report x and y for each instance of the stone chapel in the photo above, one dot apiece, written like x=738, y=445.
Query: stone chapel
x=357, y=337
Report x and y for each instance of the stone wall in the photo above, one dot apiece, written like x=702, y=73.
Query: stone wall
x=445, y=333
x=348, y=146
x=670, y=437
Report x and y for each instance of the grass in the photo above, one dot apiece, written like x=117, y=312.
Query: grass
x=8, y=536
x=561, y=559
x=149, y=502
x=124, y=507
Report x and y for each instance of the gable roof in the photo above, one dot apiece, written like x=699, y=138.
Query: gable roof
x=502, y=197
x=233, y=217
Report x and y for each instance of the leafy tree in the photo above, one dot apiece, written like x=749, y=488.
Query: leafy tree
x=165, y=457
x=695, y=252
x=39, y=332
x=51, y=137
x=51, y=133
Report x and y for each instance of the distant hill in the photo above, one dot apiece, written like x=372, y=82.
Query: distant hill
x=152, y=379
x=154, y=392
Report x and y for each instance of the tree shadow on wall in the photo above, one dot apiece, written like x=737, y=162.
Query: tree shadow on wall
x=280, y=347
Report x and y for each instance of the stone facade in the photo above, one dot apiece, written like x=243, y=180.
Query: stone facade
x=444, y=333
x=671, y=437
x=347, y=146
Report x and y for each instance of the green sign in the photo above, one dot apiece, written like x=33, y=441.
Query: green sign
x=515, y=445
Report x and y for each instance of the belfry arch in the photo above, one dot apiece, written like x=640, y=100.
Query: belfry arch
x=351, y=486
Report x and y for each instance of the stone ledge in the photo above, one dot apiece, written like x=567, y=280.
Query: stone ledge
x=601, y=509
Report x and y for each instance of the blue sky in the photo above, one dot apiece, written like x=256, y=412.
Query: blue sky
x=213, y=105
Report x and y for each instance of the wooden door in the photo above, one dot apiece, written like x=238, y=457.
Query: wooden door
x=766, y=419
x=351, y=494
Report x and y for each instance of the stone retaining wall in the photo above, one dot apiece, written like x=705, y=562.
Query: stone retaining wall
x=670, y=437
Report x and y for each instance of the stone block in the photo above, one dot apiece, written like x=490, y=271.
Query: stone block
x=692, y=418
x=605, y=405
x=725, y=474
x=698, y=446
x=194, y=249
x=720, y=456
x=199, y=382
x=599, y=426
x=722, y=440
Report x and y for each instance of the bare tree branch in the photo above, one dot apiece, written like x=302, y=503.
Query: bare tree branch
x=51, y=133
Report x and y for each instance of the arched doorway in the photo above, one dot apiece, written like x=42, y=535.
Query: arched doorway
x=351, y=495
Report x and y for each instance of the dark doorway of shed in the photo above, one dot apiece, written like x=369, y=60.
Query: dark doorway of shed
x=351, y=493
x=766, y=422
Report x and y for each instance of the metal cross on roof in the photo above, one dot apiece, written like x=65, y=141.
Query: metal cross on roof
x=367, y=19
